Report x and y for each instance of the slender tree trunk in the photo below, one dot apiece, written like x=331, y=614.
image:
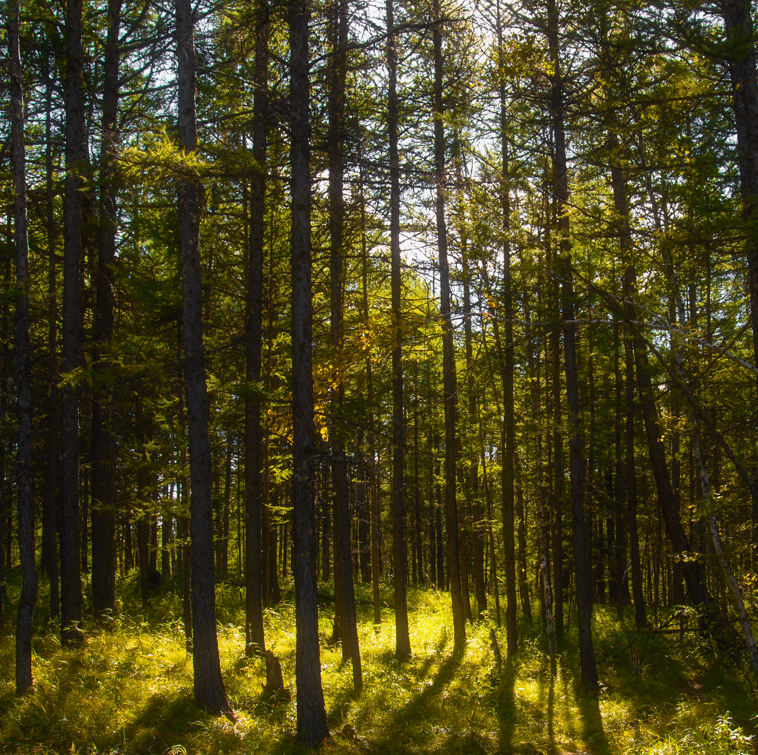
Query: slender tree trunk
x=534, y=381
x=49, y=497
x=448, y=346
x=402, y=637
x=479, y=530
x=576, y=456
x=208, y=684
x=523, y=581
x=24, y=475
x=254, y=632
x=618, y=179
x=71, y=586
x=103, y=444
x=343, y=566
x=511, y=616
x=4, y=515
x=311, y=714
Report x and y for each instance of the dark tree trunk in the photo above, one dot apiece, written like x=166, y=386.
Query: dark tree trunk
x=576, y=456
x=71, y=585
x=4, y=515
x=511, y=617
x=208, y=684
x=254, y=634
x=448, y=346
x=52, y=449
x=402, y=637
x=311, y=714
x=618, y=179
x=343, y=566
x=224, y=570
x=479, y=530
x=143, y=509
x=103, y=444
x=24, y=476
x=738, y=24
x=547, y=587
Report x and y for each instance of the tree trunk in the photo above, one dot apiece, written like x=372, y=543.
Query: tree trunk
x=402, y=637
x=311, y=714
x=24, y=475
x=738, y=24
x=547, y=587
x=448, y=346
x=208, y=684
x=576, y=456
x=52, y=449
x=103, y=443
x=71, y=586
x=254, y=632
x=618, y=179
x=343, y=565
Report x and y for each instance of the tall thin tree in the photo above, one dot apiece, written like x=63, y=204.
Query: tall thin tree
x=24, y=476
x=311, y=713
x=208, y=683
x=402, y=636
x=71, y=585
x=254, y=633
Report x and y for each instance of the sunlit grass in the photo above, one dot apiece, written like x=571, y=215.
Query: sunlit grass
x=129, y=689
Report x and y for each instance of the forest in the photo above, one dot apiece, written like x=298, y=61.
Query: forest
x=378, y=377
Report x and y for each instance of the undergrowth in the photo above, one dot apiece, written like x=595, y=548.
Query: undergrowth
x=128, y=689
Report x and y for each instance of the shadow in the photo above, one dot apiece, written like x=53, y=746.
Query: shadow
x=593, y=732
x=163, y=722
x=506, y=706
x=415, y=709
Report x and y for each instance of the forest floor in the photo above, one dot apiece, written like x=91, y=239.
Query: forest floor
x=128, y=689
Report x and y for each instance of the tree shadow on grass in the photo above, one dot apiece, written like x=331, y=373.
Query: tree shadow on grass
x=593, y=732
x=415, y=712
x=506, y=707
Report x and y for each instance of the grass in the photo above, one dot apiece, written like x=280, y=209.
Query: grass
x=128, y=689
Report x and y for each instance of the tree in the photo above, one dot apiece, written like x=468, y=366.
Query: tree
x=209, y=686
x=311, y=714
x=24, y=477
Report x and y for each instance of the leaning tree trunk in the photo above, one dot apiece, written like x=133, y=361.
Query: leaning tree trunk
x=254, y=635
x=448, y=346
x=24, y=474
x=311, y=713
x=402, y=636
x=103, y=442
x=343, y=562
x=576, y=456
x=71, y=585
x=208, y=683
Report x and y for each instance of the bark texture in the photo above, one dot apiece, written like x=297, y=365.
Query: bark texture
x=208, y=684
x=311, y=714
x=24, y=477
